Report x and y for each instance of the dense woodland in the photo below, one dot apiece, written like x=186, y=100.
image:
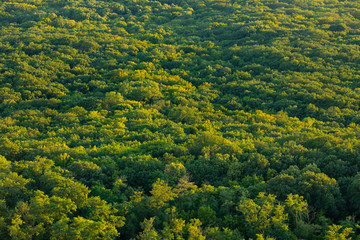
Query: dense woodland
x=184, y=119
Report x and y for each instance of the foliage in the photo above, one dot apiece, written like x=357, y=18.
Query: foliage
x=179, y=119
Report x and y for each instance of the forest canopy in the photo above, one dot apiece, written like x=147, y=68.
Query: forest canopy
x=196, y=119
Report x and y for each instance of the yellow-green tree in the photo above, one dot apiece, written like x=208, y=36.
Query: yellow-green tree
x=264, y=214
x=161, y=193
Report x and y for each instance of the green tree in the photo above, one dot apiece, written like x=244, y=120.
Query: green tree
x=161, y=193
x=334, y=233
x=148, y=230
x=194, y=230
x=264, y=215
